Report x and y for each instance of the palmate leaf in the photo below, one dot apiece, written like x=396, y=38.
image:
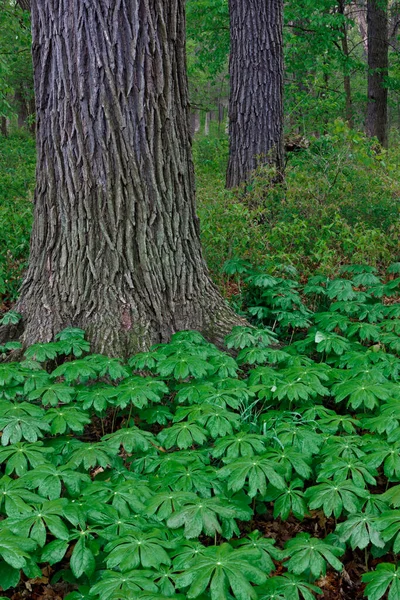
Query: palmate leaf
x=224, y=365
x=341, y=469
x=145, y=549
x=15, y=499
x=201, y=515
x=65, y=419
x=139, y=391
x=181, y=367
x=266, y=548
x=389, y=455
x=361, y=392
x=290, y=500
x=346, y=446
x=90, y=455
x=221, y=569
x=16, y=427
x=10, y=318
x=360, y=530
x=341, y=289
x=76, y=370
x=107, y=521
x=18, y=457
x=329, y=321
x=125, y=496
x=35, y=379
x=48, y=515
x=290, y=460
x=311, y=555
x=182, y=435
x=72, y=341
x=98, y=396
x=43, y=352
x=47, y=478
x=239, y=444
x=388, y=523
x=287, y=587
x=114, y=584
x=106, y=366
x=331, y=342
x=335, y=423
x=257, y=471
x=132, y=439
x=335, y=496
x=164, y=504
x=192, y=476
x=385, y=577
x=218, y=421
x=248, y=337
x=10, y=374
x=53, y=394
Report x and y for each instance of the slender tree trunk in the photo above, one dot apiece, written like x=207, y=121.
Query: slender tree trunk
x=346, y=73
x=378, y=61
x=115, y=245
x=359, y=9
x=22, y=108
x=256, y=99
x=3, y=126
x=207, y=123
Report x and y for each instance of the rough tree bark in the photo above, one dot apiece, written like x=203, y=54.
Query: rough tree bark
x=378, y=62
x=256, y=98
x=115, y=245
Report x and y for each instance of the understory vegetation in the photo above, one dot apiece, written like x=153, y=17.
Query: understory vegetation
x=339, y=204
x=269, y=471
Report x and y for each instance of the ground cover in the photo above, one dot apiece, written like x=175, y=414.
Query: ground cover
x=270, y=470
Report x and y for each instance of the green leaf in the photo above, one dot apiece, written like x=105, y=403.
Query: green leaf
x=256, y=471
x=385, y=577
x=221, y=568
x=9, y=577
x=309, y=554
x=82, y=559
x=114, y=584
x=54, y=552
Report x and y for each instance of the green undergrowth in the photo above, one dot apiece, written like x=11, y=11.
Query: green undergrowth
x=17, y=171
x=339, y=204
x=189, y=472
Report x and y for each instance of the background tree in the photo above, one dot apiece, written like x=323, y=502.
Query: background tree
x=16, y=80
x=378, y=67
x=256, y=94
x=115, y=244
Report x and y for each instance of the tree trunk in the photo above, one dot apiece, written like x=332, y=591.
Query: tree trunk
x=346, y=72
x=359, y=10
x=378, y=60
x=256, y=99
x=3, y=126
x=207, y=123
x=115, y=245
x=22, y=109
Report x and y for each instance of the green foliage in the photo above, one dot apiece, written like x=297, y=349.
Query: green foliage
x=150, y=483
x=318, y=220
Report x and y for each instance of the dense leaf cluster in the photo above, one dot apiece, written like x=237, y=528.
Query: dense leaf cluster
x=142, y=480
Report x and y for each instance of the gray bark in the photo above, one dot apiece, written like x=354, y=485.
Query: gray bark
x=256, y=99
x=378, y=64
x=346, y=73
x=115, y=244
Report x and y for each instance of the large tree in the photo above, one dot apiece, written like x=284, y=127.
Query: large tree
x=378, y=64
x=115, y=245
x=256, y=98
